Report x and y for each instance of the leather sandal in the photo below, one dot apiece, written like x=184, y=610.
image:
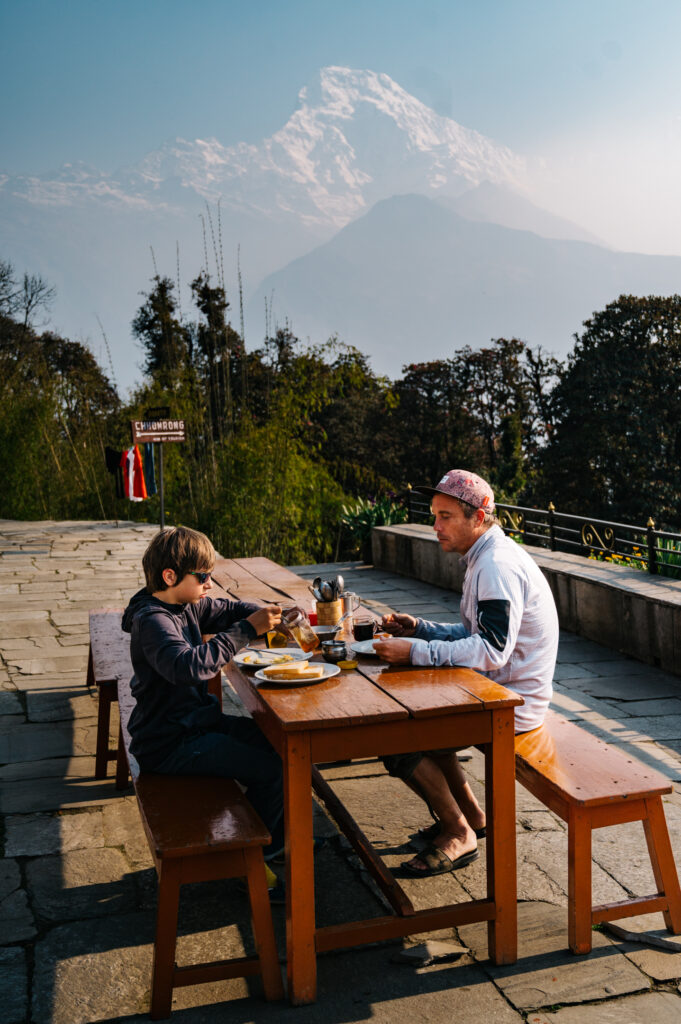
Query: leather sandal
x=438, y=863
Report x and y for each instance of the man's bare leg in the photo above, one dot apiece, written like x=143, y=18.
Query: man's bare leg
x=460, y=788
x=415, y=788
x=456, y=836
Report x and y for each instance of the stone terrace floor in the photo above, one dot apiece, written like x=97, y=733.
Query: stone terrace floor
x=77, y=889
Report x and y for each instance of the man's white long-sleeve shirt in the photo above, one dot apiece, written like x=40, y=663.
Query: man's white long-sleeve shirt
x=509, y=628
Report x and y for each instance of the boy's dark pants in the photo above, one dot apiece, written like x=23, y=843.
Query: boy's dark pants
x=236, y=749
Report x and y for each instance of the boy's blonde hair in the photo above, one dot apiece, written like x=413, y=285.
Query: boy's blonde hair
x=178, y=548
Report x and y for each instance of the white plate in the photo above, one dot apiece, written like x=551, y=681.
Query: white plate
x=268, y=656
x=329, y=670
x=367, y=646
x=363, y=646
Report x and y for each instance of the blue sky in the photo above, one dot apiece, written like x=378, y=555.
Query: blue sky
x=593, y=88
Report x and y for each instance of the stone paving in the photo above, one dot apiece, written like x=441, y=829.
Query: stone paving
x=77, y=887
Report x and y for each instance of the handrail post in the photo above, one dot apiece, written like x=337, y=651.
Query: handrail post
x=652, y=553
x=410, y=513
x=552, y=530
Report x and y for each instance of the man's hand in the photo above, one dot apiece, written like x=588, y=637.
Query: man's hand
x=265, y=618
x=395, y=652
x=399, y=625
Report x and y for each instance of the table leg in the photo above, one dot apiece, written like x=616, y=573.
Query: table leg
x=502, y=931
x=300, y=912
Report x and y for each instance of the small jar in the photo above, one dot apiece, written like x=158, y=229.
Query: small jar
x=334, y=651
x=299, y=627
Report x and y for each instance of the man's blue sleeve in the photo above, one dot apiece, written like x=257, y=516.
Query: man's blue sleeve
x=427, y=630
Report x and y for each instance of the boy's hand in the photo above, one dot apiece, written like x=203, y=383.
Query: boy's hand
x=399, y=625
x=265, y=618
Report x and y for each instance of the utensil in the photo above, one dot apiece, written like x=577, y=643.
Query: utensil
x=325, y=632
x=351, y=602
x=327, y=591
x=315, y=592
x=340, y=585
x=334, y=651
x=317, y=582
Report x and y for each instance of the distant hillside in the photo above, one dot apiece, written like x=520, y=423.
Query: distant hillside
x=498, y=204
x=412, y=280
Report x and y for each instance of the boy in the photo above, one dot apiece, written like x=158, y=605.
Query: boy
x=177, y=727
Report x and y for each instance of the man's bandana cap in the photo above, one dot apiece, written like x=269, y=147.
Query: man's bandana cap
x=468, y=487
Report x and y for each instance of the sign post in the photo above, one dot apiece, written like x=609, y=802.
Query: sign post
x=158, y=431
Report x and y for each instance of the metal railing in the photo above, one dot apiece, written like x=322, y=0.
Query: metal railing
x=657, y=552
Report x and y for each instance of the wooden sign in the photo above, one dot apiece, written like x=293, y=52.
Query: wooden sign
x=155, y=431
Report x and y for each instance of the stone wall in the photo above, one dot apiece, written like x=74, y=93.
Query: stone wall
x=622, y=608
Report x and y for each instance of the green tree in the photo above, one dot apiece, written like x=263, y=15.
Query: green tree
x=503, y=384
x=431, y=424
x=57, y=407
x=165, y=340
x=220, y=352
x=616, y=446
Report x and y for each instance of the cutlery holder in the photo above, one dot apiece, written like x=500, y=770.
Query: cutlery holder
x=329, y=612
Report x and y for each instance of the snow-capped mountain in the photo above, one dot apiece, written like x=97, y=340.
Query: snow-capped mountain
x=355, y=138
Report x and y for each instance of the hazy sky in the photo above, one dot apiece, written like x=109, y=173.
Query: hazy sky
x=592, y=88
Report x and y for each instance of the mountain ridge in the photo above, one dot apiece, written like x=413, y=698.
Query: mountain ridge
x=309, y=165
x=466, y=281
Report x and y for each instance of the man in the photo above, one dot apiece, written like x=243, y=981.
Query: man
x=509, y=631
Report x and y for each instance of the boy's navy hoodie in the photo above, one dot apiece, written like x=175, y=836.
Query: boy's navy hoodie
x=173, y=667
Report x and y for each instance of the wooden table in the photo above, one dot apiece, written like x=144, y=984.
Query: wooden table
x=379, y=710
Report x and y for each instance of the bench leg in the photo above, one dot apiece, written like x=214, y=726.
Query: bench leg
x=122, y=767
x=165, y=940
x=263, y=929
x=107, y=694
x=579, y=881
x=662, y=861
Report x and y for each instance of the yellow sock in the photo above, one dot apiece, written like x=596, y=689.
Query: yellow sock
x=272, y=879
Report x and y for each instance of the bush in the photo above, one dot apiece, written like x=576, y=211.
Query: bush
x=360, y=519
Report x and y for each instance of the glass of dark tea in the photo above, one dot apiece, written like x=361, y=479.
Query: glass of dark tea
x=363, y=629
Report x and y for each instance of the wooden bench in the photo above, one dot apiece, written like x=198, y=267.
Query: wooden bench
x=108, y=663
x=591, y=785
x=199, y=829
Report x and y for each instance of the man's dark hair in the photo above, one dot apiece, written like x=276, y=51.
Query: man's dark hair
x=470, y=510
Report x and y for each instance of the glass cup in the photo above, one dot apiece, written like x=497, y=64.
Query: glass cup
x=275, y=639
x=363, y=629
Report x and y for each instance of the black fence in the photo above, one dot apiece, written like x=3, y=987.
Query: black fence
x=641, y=547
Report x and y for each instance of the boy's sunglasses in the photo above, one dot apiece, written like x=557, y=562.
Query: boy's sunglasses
x=202, y=577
